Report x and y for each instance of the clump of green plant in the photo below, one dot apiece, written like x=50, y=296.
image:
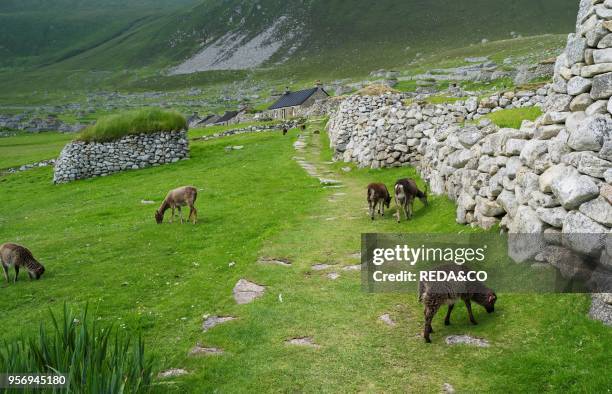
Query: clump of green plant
x=514, y=117
x=147, y=120
x=94, y=359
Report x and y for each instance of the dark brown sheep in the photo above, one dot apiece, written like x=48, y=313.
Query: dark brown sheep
x=435, y=294
x=405, y=192
x=378, y=195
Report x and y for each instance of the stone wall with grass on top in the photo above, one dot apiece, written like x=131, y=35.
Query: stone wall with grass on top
x=80, y=160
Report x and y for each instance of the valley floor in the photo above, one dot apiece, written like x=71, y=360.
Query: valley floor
x=101, y=246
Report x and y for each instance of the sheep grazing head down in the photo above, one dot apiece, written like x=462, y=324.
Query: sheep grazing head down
x=487, y=300
x=159, y=217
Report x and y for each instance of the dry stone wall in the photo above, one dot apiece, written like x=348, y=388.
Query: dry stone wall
x=380, y=131
x=80, y=160
x=551, y=177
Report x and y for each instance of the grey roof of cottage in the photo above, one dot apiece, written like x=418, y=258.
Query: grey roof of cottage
x=228, y=115
x=293, y=99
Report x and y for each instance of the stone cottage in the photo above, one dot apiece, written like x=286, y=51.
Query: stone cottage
x=292, y=104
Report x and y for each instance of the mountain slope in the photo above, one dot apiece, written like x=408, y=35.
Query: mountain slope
x=35, y=32
x=299, y=34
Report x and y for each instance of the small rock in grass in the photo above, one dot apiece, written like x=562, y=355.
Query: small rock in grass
x=333, y=275
x=466, y=340
x=386, y=318
x=245, y=292
x=269, y=260
x=170, y=373
x=302, y=341
x=447, y=388
x=320, y=267
x=213, y=321
x=601, y=308
x=198, y=349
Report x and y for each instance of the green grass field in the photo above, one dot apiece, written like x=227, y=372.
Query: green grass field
x=30, y=148
x=101, y=245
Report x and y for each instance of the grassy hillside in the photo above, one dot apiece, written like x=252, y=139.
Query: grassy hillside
x=36, y=32
x=330, y=35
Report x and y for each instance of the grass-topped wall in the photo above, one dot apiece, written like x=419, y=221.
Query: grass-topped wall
x=127, y=141
x=147, y=120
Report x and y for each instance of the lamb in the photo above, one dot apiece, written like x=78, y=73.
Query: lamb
x=19, y=256
x=435, y=294
x=378, y=195
x=177, y=198
x=405, y=191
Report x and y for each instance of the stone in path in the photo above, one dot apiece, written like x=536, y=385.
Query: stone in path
x=447, y=388
x=333, y=275
x=173, y=372
x=329, y=182
x=199, y=350
x=213, y=321
x=302, y=341
x=466, y=340
x=386, y=318
x=245, y=292
x=299, y=145
x=355, y=267
x=270, y=260
x=320, y=267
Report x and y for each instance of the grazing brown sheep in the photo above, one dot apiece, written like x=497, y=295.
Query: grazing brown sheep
x=435, y=294
x=19, y=256
x=378, y=195
x=405, y=191
x=177, y=198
